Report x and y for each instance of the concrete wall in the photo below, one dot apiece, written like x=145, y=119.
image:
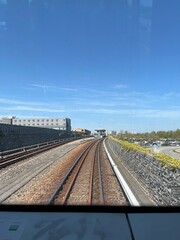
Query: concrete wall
x=162, y=184
x=19, y=136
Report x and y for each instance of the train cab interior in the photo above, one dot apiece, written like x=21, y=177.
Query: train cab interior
x=88, y=222
x=103, y=65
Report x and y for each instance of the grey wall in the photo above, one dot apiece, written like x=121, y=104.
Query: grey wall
x=19, y=136
x=161, y=184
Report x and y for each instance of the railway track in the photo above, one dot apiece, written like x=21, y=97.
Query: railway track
x=85, y=181
x=16, y=178
x=13, y=156
x=84, y=176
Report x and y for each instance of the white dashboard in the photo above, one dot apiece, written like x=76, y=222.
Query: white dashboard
x=51, y=225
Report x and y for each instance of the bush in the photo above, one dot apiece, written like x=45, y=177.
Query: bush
x=167, y=161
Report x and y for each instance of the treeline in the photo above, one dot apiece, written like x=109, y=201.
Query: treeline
x=159, y=135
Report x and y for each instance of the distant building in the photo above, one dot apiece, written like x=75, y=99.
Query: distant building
x=83, y=131
x=6, y=120
x=101, y=132
x=53, y=123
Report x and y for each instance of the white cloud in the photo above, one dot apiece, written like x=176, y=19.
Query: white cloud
x=120, y=86
x=93, y=101
x=43, y=86
x=32, y=109
x=8, y=101
x=51, y=87
x=68, y=89
x=99, y=93
x=142, y=113
x=138, y=113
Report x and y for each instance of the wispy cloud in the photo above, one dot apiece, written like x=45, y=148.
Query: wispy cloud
x=91, y=102
x=149, y=99
x=45, y=87
x=118, y=86
x=8, y=101
x=32, y=109
x=99, y=93
x=140, y=113
x=130, y=104
x=68, y=89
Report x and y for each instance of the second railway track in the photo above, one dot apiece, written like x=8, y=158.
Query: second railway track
x=13, y=156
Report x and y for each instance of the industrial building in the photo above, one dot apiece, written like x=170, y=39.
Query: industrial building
x=53, y=123
x=83, y=131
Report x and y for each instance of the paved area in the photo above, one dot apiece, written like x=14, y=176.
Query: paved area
x=170, y=151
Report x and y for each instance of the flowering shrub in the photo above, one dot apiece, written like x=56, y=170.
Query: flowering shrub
x=167, y=161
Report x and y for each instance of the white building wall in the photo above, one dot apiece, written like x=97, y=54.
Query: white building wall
x=56, y=123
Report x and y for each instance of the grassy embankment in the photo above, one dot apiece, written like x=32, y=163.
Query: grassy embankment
x=167, y=161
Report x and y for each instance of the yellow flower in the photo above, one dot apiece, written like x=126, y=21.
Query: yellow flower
x=167, y=161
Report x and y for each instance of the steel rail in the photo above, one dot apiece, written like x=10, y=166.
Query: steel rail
x=59, y=188
x=89, y=199
x=4, y=162
x=96, y=157
x=11, y=152
x=100, y=175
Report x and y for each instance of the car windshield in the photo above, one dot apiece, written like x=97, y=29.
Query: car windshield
x=90, y=102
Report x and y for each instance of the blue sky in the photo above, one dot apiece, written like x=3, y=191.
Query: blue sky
x=102, y=64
